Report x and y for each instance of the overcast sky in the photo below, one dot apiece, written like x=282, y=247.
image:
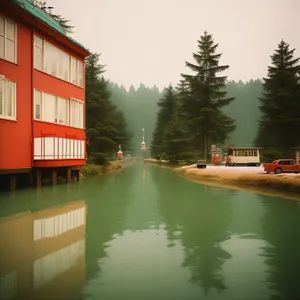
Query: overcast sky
x=149, y=40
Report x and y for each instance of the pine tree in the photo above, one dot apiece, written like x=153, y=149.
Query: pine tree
x=175, y=143
x=207, y=96
x=63, y=22
x=280, y=104
x=166, y=110
x=105, y=124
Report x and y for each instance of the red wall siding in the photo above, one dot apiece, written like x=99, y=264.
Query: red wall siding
x=15, y=136
x=57, y=87
x=41, y=128
x=51, y=85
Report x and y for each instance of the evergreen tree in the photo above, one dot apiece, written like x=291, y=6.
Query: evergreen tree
x=245, y=110
x=105, y=125
x=175, y=143
x=166, y=110
x=207, y=96
x=280, y=103
x=63, y=22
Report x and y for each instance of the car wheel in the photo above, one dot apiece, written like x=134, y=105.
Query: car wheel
x=278, y=170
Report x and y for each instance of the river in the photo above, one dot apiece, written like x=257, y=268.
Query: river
x=146, y=233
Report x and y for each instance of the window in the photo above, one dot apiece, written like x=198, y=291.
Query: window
x=8, y=30
x=38, y=105
x=76, y=114
x=50, y=108
x=62, y=110
x=73, y=78
x=50, y=59
x=38, y=53
x=76, y=72
x=7, y=99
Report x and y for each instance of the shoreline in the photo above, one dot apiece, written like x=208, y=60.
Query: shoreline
x=241, y=178
x=89, y=170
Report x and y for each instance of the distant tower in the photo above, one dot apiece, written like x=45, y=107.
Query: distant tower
x=143, y=144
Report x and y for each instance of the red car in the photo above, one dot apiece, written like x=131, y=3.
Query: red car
x=282, y=166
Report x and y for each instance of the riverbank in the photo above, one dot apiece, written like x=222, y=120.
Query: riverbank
x=109, y=167
x=250, y=177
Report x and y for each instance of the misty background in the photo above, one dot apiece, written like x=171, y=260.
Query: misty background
x=144, y=46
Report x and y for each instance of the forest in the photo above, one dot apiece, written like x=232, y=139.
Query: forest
x=184, y=120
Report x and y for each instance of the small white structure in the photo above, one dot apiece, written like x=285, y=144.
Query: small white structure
x=246, y=156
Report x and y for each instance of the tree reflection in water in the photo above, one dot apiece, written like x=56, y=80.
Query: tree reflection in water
x=202, y=219
x=281, y=225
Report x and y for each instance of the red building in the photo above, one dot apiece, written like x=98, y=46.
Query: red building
x=42, y=92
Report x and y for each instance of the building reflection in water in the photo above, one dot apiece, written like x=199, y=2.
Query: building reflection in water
x=42, y=254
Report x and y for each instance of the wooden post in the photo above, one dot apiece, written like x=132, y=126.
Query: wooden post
x=38, y=177
x=68, y=177
x=30, y=178
x=78, y=175
x=12, y=182
x=54, y=176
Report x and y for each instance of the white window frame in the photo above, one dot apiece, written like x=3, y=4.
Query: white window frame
x=70, y=121
x=67, y=112
x=5, y=38
x=43, y=47
x=3, y=83
x=57, y=109
x=79, y=76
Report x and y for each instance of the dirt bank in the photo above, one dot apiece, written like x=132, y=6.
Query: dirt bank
x=254, y=178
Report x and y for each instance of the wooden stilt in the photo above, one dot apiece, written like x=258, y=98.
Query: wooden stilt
x=38, y=177
x=30, y=178
x=68, y=175
x=54, y=176
x=78, y=175
x=12, y=182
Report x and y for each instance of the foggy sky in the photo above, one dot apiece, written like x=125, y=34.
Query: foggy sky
x=149, y=40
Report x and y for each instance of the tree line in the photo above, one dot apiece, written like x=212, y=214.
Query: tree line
x=203, y=110
x=106, y=127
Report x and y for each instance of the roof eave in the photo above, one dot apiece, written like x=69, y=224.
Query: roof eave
x=64, y=39
x=52, y=31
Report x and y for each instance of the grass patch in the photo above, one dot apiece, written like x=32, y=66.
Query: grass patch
x=93, y=169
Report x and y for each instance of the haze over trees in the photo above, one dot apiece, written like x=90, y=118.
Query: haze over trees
x=200, y=99
x=203, y=109
x=139, y=106
x=280, y=103
x=105, y=124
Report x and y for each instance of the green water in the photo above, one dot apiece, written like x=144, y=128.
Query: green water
x=146, y=233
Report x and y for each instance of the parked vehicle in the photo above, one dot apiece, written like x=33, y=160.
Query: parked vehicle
x=247, y=156
x=282, y=166
x=201, y=164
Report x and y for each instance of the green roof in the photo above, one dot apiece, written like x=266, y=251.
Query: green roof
x=44, y=17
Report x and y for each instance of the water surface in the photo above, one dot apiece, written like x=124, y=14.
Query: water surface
x=145, y=233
